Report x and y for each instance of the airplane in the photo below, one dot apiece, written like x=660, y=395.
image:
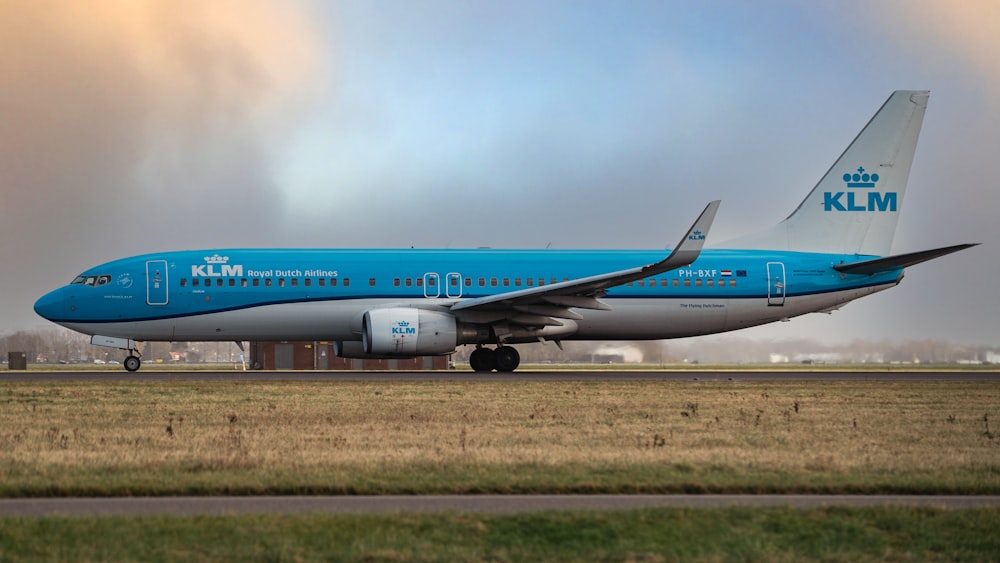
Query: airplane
x=403, y=303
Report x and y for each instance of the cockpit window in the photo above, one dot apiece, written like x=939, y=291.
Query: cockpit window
x=92, y=281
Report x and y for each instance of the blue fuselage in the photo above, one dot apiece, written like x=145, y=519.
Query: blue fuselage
x=244, y=294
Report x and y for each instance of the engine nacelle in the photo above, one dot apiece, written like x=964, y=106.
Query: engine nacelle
x=405, y=332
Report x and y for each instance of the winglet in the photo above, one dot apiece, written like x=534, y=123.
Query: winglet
x=689, y=248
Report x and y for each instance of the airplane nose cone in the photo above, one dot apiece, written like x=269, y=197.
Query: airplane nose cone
x=52, y=305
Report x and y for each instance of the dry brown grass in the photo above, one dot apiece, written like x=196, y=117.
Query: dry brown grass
x=167, y=438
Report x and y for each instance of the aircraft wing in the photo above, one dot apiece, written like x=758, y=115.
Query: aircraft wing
x=877, y=265
x=542, y=305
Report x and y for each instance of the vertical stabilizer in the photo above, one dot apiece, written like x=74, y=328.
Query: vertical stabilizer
x=854, y=207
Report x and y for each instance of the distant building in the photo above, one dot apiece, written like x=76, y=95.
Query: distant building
x=320, y=356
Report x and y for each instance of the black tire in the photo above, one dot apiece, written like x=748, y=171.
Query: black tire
x=482, y=360
x=507, y=359
x=132, y=363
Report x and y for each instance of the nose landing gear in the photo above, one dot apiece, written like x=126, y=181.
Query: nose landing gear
x=132, y=363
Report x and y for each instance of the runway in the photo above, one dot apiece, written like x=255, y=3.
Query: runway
x=468, y=376
x=492, y=504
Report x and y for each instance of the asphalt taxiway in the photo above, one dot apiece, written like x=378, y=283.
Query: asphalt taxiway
x=468, y=376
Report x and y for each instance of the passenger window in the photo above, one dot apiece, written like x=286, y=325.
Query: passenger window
x=371, y=282
x=517, y=282
x=641, y=283
x=322, y=282
x=347, y=282
x=710, y=283
x=697, y=282
x=396, y=282
x=267, y=282
x=506, y=282
x=531, y=282
x=243, y=282
x=482, y=282
x=687, y=282
x=256, y=282
x=232, y=282
x=468, y=282
x=281, y=282
x=676, y=282
x=184, y=282
x=308, y=282
x=409, y=282
x=194, y=282
x=218, y=282
x=295, y=282
x=420, y=282
x=732, y=283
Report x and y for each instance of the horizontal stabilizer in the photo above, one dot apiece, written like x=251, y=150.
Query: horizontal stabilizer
x=877, y=265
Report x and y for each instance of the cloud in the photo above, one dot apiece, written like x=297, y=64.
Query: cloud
x=122, y=121
x=964, y=36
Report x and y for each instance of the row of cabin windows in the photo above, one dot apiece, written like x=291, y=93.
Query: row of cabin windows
x=481, y=282
x=432, y=281
x=266, y=282
x=675, y=282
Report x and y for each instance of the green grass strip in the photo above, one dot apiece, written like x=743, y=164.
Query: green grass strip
x=675, y=534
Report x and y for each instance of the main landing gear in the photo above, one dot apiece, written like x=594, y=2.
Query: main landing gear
x=502, y=359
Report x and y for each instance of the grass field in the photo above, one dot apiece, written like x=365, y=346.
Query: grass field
x=168, y=438
x=733, y=534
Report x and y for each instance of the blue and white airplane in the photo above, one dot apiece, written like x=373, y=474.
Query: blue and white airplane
x=380, y=303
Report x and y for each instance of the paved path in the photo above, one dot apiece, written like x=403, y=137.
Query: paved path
x=493, y=504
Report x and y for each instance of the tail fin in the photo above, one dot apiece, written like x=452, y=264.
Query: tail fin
x=854, y=207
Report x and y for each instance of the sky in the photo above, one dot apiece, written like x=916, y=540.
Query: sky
x=135, y=126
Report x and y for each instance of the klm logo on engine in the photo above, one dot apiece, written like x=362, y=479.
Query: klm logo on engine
x=403, y=328
x=216, y=267
x=853, y=200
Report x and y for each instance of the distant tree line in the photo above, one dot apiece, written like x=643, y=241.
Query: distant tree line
x=59, y=345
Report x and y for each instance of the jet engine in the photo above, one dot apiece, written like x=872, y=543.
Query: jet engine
x=408, y=332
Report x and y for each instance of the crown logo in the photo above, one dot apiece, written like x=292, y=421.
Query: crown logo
x=216, y=259
x=861, y=179
x=403, y=324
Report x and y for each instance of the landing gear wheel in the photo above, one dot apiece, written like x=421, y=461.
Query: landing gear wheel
x=507, y=358
x=132, y=363
x=482, y=360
